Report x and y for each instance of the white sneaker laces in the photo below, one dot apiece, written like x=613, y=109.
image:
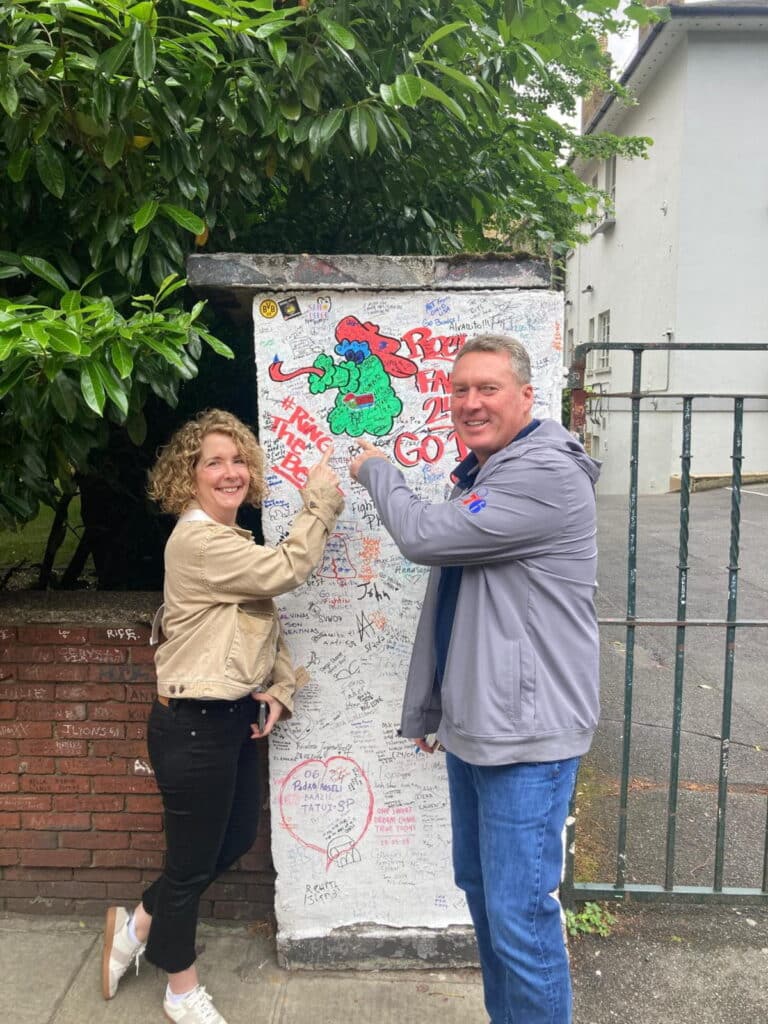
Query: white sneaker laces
x=201, y=1003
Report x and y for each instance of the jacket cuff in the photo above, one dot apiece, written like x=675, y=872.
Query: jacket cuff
x=284, y=691
x=325, y=501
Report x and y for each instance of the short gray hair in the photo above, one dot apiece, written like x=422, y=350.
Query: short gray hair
x=519, y=359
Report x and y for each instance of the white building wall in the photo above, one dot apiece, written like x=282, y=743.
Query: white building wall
x=632, y=268
x=722, y=292
x=687, y=256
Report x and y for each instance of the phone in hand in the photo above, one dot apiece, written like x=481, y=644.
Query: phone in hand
x=263, y=715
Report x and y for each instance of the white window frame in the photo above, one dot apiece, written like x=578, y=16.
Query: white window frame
x=590, y=338
x=603, y=355
x=608, y=202
x=610, y=183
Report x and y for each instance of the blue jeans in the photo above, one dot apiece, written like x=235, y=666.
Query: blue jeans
x=507, y=824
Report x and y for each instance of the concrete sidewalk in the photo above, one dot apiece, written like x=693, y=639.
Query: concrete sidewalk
x=692, y=965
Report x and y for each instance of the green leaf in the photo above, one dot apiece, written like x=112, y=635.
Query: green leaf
x=172, y=283
x=310, y=94
x=339, y=34
x=184, y=218
x=388, y=94
x=92, y=388
x=18, y=164
x=71, y=301
x=358, y=130
x=639, y=14
x=136, y=426
x=456, y=75
x=63, y=394
x=145, y=12
x=145, y=215
x=513, y=9
x=63, y=339
x=434, y=92
x=373, y=131
x=9, y=97
x=331, y=124
x=46, y=118
x=115, y=390
x=265, y=31
x=290, y=108
x=122, y=357
x=42, y=268
x=11, y=377
x=114, y=146
x=144, y=55
x=166, y=351
x=50, y=168
x=111, y=60
x=102, y=99
x=35, y=332
x=441, y=33
x=218, y=346
x=278, y=48
x=409, y=89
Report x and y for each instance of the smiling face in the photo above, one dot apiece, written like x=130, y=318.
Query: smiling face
x=489, y=406
x=221, y=478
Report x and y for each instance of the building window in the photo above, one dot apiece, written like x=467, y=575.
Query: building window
x=610, y=183
x=568, y=356
x=591, y=339
x=608, y=199
x=603, y=361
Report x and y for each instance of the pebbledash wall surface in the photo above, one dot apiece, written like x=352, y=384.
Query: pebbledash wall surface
x=345, y=346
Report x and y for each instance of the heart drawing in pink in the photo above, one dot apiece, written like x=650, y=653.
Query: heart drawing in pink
x=327, y=806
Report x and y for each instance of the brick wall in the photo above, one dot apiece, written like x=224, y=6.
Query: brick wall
x=80, y=816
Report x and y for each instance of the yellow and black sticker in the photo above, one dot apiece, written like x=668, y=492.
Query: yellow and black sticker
x=268, y=308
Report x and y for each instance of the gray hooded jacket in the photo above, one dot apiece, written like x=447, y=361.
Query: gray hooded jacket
x=521, y=677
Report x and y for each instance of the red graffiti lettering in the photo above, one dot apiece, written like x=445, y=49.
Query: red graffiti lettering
x=422, y=344
x=433, y=380
x=410, y=450
x=291, y=469
x=439, y=412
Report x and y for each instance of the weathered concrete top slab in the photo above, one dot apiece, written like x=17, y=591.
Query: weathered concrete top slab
x=230, y=279
x=278, y=272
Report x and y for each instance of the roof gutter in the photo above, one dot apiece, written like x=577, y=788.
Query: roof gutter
x=676, y=11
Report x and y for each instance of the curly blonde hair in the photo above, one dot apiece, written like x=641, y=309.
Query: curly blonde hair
x=172, y=479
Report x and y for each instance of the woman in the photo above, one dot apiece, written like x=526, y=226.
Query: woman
x=222, y=658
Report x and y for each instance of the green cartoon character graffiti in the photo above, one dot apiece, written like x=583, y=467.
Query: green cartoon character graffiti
x=366, y=402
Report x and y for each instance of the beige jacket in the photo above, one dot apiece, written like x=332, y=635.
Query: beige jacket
x=222, y=636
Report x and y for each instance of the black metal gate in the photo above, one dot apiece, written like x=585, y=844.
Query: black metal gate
x=620, y=886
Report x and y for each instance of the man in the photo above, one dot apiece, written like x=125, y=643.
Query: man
x=505, y=661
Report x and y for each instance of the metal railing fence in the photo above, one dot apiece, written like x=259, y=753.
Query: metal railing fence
x=619, y=887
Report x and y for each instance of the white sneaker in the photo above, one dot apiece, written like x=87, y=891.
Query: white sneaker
x=195, y=1008
x=120, y=950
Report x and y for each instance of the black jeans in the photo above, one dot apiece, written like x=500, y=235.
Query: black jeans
x=206, y=767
